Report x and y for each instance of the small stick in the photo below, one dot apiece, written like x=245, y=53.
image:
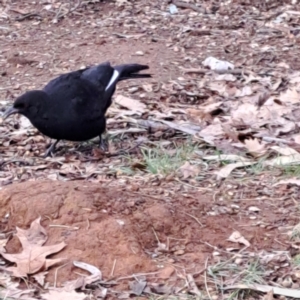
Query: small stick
x=64, y=226
x=194, y=219
x=189, y=5
x=155, y=235
x=113, y=268
x=56, y=271
x=205, y=280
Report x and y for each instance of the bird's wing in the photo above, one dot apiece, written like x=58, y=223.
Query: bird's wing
x=70, y=77
x=71, y=92
x=103, y=76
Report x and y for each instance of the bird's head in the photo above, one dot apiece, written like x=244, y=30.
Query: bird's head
x=27, y=105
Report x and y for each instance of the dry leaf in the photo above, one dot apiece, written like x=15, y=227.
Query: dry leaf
x=293, y=293
x=217, y=65
x=63, y=295
x=236, y=237
x=212, y=131
x=288, y=181
x=185, y=127
x=247, y=113
x=130, y=104
x=10, y=290
x=225, y=157
x=2, y=245
x=225, y=77
x=226, y=171
x=283, y=160
x=255, y=148
x=137, y=287
x=285, y=150
x=82, y=281
x=188, y=170
x=290, y=96
x=33, y=257
x=40, y=278
x=296, y=138
x=269, y=296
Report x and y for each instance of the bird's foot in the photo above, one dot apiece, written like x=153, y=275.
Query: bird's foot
x=50, y=150
x=103, y=144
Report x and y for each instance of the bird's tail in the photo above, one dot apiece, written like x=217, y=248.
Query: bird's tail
x=131, y=71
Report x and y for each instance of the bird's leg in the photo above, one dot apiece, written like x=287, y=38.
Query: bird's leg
x=51, y=149
x=103, y=143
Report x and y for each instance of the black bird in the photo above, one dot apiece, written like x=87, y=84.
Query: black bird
x=73, y=106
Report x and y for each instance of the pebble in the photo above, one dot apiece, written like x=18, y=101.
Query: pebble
x=140, y=53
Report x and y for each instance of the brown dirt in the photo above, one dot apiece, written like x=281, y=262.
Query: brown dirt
x=116, y=225
x=122, y=223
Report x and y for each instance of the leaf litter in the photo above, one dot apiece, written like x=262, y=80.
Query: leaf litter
x=243, y=102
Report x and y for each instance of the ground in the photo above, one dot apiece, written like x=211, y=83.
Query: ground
x=172, y=211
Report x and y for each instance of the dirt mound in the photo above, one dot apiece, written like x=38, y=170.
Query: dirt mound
x=101, y=226
x=119, y=231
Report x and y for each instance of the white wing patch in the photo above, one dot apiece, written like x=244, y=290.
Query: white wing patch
x=112, y=80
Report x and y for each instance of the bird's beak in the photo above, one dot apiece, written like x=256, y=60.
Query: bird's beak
x=9, y=112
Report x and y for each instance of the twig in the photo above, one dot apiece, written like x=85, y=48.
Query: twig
x=158, y=241
x=204, y=71
x=29, y=15
x=56, y=271
x=193, y=217
x=64, y=226
x=195, y=187
x=189, y=6
x=113, y=268
x=205, y=280
x=139, y=274
x=125, y=151
x=70, y=10
x=272, y=139
x=191, y=282
x=150, y=196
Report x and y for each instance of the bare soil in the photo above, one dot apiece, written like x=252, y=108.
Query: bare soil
x=119, y=231
x=124, y=225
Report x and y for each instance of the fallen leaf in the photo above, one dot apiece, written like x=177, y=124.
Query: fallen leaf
x=285, y=150
x=33, y=257
x=137, y=287
x=290, y=96
x=226, y=171
x=225, y=157
x=10, y=290
x=225, y=77
x=255, y=148
x=130, y=104
x=188, y=170
x=293, y=293
x=296, y=138
x=288, y=181
x=212, y=131
x=283, y=160
x=217, y=65
x=246, y=112
x=40, y=278
x=236, y=237
x=63, y=295
x=2, y=245
x=269, y=295
x=185, y=127
x=82, y=281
